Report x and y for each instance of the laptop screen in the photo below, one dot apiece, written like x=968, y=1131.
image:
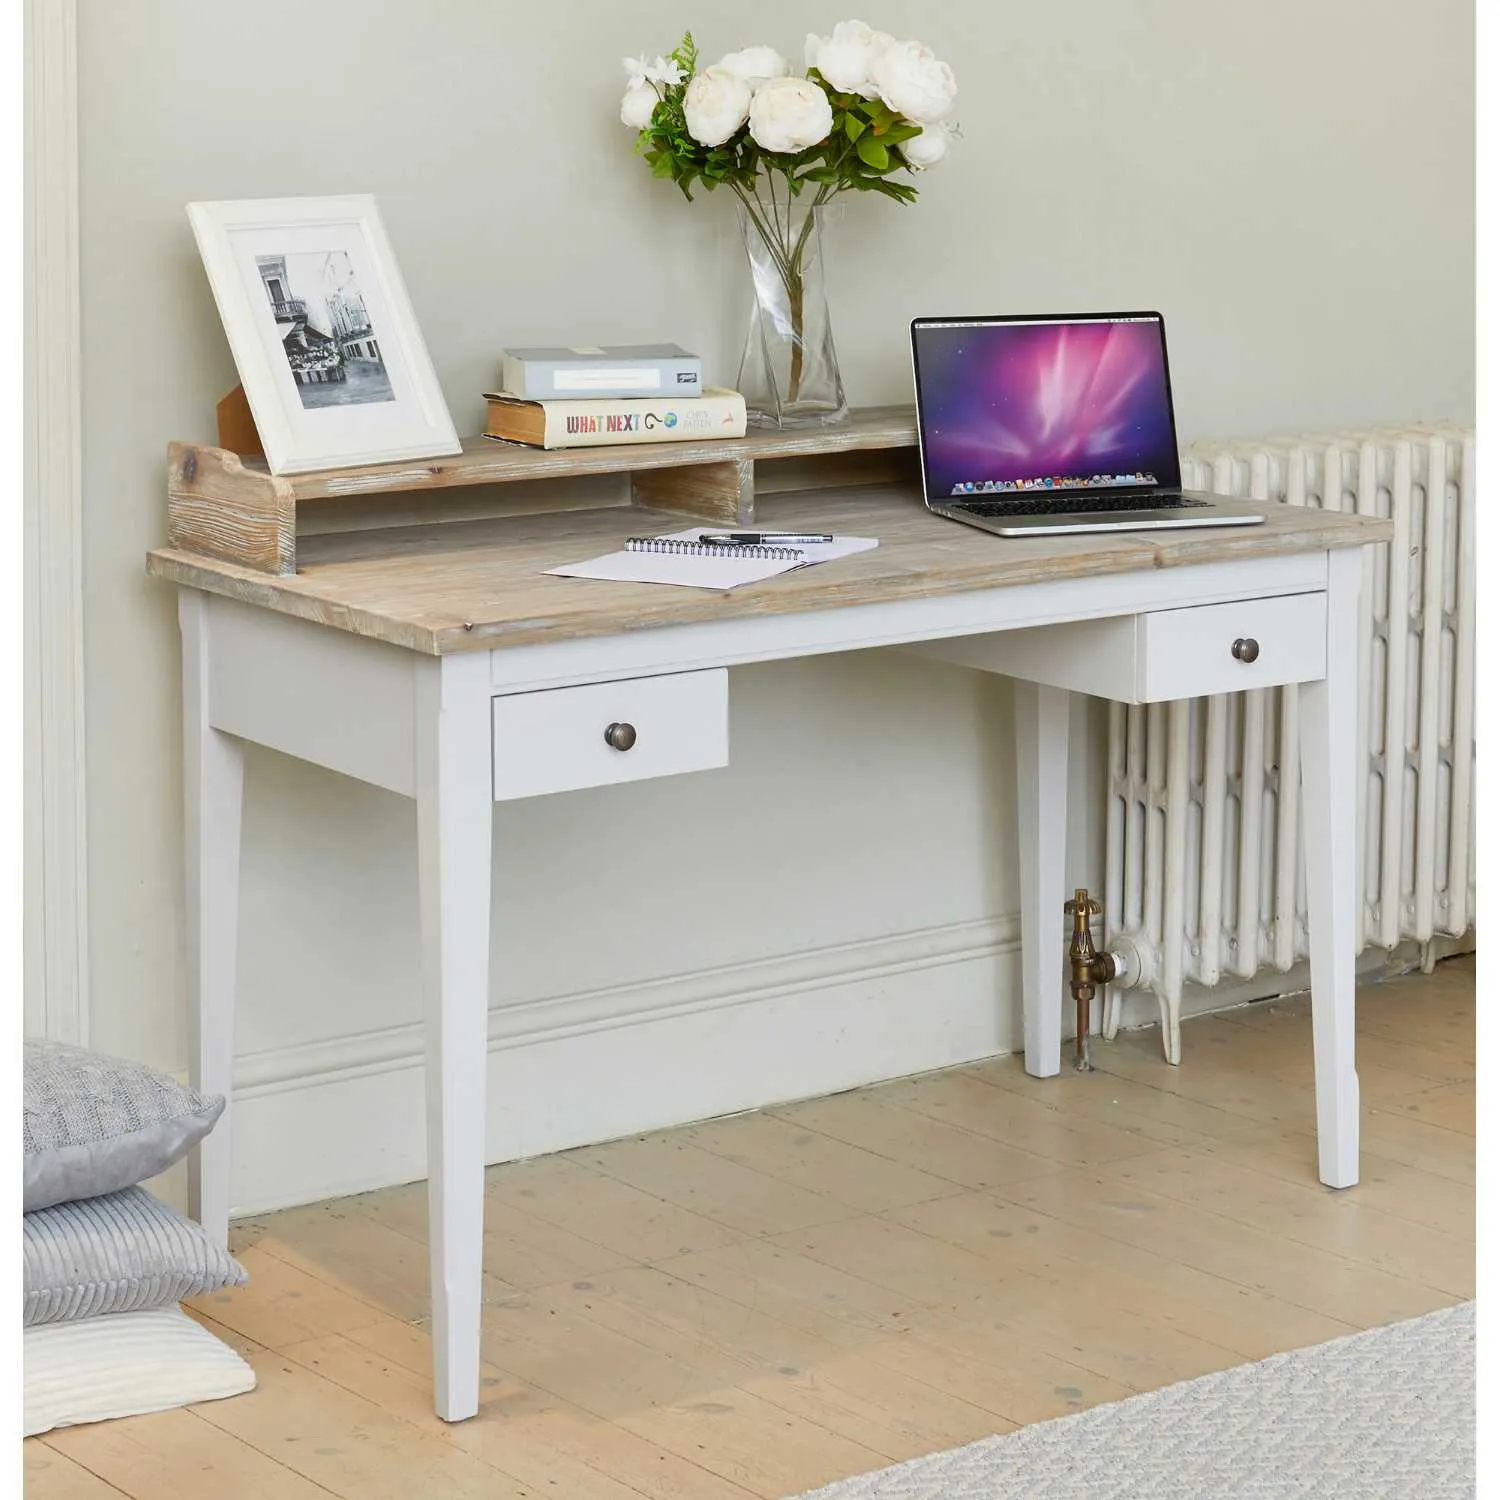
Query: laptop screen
x=1018, y=406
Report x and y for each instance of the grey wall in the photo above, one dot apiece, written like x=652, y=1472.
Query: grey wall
x=1290, y=183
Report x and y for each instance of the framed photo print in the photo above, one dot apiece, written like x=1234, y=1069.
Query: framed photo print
x=322, y=332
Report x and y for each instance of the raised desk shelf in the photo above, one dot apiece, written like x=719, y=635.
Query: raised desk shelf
x=221, y=505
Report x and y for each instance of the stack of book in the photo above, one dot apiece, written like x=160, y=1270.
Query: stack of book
x=587, y=397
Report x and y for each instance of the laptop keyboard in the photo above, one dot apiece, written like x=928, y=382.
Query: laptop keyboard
x=1070, y=505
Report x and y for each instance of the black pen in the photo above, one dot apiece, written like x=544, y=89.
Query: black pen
x=760, y=538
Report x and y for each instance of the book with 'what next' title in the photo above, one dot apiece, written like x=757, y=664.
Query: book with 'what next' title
x=717, y=413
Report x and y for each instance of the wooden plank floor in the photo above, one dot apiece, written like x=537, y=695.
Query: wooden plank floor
x=758, y=1305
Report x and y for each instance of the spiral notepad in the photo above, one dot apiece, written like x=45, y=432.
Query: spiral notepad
x=675, y=547
x=684, y=560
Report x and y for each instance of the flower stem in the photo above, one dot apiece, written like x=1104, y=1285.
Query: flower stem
x=771, y=240
x=774, y=224
x=794, y=300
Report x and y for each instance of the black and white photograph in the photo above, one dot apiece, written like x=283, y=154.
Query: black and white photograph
x=324, y=327
x=310, y=287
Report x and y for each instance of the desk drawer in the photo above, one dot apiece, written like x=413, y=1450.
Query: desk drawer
x=1161, y=654
x=554, y=741
x=1224, y=648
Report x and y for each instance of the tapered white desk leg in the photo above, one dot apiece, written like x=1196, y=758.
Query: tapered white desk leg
x=213, y=775
x=1328, y=714
x=454, y=815
x=1042, y=825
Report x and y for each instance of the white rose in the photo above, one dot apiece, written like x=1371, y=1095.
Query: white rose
x=637, y=105
x=911, y=81
x=847, y=58
x=790, y=114
x=928, y=148
x=715, y=105
x=756, y=64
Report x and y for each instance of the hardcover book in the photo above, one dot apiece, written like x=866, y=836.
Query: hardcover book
x=586, y=424
x=590, y=372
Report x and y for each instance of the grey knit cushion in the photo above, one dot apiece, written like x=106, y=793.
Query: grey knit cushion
x=94, y=1124
x=123, y=1252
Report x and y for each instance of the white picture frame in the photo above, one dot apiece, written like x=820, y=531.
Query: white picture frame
x=322, y=332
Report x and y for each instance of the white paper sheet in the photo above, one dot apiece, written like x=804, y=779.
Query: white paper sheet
x=689, y=572
x=721, y=572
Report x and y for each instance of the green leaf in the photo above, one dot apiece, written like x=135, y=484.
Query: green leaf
x=663, y=166
x=872, y=153
x=686, y=54
x=902, y=192
x=854, y=127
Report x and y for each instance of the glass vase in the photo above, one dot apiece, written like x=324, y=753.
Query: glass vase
x=789, y=374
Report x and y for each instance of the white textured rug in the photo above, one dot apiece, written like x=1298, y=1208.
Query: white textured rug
x=1383, y=1415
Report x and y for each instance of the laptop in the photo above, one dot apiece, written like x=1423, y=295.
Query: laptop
x=1039, y=426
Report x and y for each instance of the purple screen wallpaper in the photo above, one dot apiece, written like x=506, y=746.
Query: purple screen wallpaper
x=1005, y=405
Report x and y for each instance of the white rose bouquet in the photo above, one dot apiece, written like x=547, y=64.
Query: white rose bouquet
x=866, y=108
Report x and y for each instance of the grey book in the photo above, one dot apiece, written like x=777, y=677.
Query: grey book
x=590, y=372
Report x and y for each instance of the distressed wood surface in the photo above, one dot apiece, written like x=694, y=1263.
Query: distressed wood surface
x=481, y=585
x=485, y=461
x=854, y=466
x=721, y=493
x=712, y=480
x=218, y=506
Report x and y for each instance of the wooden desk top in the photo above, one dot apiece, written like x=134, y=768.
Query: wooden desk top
x=467, y=586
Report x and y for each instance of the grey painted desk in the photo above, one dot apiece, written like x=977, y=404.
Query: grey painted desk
x=439, y=663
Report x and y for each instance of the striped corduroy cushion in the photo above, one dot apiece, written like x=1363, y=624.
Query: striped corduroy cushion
x=121, y=1252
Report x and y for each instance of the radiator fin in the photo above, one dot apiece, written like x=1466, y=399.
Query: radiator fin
x=1204, y=867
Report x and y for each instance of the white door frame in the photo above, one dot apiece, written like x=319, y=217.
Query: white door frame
x=56, y=867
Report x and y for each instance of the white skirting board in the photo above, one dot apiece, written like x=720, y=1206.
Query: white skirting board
x=588, y=1068
x=345, y=1116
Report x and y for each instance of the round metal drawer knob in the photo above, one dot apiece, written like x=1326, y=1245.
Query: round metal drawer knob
x=1246, y=649
x=620, y=736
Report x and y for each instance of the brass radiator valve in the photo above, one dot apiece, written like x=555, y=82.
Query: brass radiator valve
x=1086, y=969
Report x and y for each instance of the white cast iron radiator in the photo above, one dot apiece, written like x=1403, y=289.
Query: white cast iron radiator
x=1204, y=871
